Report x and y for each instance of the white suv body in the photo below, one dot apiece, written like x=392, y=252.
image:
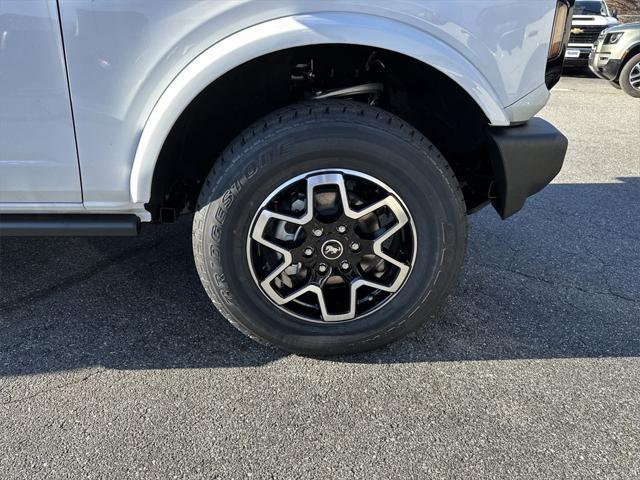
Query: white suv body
x=133, y=67
x=118, y=112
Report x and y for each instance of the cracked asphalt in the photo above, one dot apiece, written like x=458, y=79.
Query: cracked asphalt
x=114, y=364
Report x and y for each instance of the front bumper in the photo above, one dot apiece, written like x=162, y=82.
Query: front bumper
x=604, y=66
x=524, y=160
x=582, y=60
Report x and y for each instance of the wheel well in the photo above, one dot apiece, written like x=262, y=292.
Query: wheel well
x=630, y=54
x=416, y=92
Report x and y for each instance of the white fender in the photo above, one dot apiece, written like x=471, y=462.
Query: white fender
x=295, y=31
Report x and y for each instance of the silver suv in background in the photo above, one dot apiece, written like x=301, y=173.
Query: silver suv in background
x=590, y=18
x=616, y=57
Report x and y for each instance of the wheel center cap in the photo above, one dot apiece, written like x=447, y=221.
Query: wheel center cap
x=332, y=249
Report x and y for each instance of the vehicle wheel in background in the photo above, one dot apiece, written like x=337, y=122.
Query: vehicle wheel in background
x=630, y=77
x=329, y=227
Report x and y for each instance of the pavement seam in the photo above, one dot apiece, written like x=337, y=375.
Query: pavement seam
x=559, y=284
x=50, y=389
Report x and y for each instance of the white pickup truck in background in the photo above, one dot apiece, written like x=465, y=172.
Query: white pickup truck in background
x=590, y=18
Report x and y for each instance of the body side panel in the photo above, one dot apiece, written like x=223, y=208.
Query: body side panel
x=123, y=55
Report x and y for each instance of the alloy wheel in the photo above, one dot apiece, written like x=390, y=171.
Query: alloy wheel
x=331, y=246
x=634, y=77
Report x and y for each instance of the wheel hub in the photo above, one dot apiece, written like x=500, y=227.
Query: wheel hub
x=331, y=245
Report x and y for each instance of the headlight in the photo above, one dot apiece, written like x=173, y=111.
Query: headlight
x=558, y=33
x=613, y=37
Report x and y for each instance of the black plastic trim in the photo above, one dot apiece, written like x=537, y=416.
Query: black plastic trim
x=524, y=159
x=68, y=225
x=610, y=71
x=556, y=65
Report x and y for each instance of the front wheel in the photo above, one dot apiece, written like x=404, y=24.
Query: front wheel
x=630, y=77
x=328, y=228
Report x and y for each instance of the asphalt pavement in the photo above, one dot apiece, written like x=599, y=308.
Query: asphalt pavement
x=114, y=364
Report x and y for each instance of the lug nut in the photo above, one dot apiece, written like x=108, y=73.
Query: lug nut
x=322, y=268
x=317, y=232
x=341, y=229
x=355, y=246
x=308, y=252
x=345, y=265
x=298, y=205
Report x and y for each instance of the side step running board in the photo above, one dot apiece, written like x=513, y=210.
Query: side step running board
x=68, y=225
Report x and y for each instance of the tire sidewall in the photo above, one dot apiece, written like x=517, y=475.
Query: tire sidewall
x=258, y=168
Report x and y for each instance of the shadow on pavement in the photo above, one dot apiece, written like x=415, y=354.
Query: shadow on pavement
x=559, y=280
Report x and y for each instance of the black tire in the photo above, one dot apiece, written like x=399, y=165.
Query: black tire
x=625, y=74
x=325, y=135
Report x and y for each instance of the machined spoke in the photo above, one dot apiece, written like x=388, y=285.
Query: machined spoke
x=258, y=235
x=402, y=219
x=356, y=214
x=258, y=232
x=353, y=298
